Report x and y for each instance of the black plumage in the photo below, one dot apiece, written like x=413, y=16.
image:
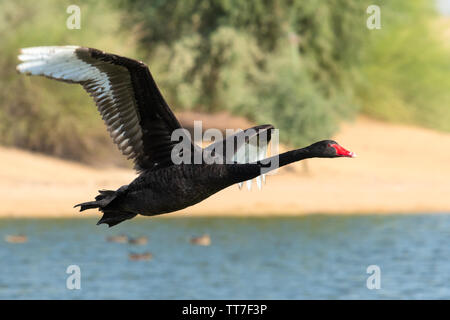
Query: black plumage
x=141, y=123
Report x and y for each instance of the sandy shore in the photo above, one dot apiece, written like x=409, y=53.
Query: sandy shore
x=399, y=169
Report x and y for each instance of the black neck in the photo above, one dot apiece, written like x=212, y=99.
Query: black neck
x=292, y=156
x=242, y=172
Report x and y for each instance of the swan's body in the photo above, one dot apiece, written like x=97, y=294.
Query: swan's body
x=141, y=124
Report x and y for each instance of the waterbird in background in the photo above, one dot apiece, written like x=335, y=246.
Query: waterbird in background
x=140, y=256
x=139, y=240
x=204, y=240
x=141, y=124
x=118, y=239
x=19, y=238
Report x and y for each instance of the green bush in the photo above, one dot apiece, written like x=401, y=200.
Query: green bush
x=45, y=115
x=289, y=63
x=406, y=67
x=301, y=65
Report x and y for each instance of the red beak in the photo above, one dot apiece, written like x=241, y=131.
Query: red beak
x=340, y=151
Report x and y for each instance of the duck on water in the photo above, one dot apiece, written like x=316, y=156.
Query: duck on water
x=141, y=124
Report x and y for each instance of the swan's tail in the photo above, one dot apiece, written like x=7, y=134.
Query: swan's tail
x=101, y=201
x=111, y=216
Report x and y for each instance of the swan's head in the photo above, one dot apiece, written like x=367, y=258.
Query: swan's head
x=330, y=149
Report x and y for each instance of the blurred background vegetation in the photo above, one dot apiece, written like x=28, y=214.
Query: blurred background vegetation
x=303, y=66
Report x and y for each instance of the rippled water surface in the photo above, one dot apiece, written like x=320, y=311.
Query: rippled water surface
x=312, y=257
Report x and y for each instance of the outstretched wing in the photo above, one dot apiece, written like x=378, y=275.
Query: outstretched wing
x=128, y=99
x=246, y=146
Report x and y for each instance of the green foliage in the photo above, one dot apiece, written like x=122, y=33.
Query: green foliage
x=300, y=65
x=294, y=62
x=285, y=62
x=288, y=96
x=45, y=115
x=406, y=67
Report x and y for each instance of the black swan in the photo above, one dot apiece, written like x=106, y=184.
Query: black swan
x=141, y=123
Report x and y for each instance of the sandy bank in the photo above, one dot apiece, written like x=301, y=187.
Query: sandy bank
x=398, y=169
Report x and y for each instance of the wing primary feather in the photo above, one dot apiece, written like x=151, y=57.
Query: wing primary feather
x=128, y=99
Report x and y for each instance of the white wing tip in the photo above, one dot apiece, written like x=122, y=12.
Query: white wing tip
x=47, y=49
x=43, y=60
x=44, y=53
x=258, y=182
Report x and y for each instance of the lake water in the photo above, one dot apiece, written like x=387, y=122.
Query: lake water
x=311, y=257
